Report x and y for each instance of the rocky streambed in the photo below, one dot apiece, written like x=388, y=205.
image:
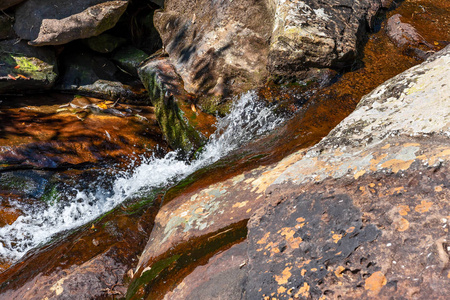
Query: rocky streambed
x=265, y=204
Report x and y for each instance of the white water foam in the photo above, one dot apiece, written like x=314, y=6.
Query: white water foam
x=247, y=119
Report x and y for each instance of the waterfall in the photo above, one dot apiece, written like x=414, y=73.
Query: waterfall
x=39, y=222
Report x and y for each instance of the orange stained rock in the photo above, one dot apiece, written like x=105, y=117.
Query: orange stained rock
x=350, y=230
x=402, y=224
x=375, y=282
x=403, y=209
x=448, y=275
x=281, y=290
x=438, y=188
x=338, y=271
x=264, y=239
x=303, y=291
x=397, y=164
x=285, y=275
x=293, y=242
x=336, y=237
x=303, y=272
x=424, y=206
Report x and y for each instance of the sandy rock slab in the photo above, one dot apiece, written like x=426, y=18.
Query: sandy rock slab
x=54, y=22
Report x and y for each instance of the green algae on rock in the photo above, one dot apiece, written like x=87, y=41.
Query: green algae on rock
x=26, y=69
x=174, y=114
x=104, y=43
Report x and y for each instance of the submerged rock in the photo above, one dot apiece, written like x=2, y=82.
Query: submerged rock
x=26, y=69
x=405, y=36
x=177, y=117
x=56, y=22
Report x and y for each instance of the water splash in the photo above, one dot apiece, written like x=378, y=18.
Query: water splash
x=248, y=118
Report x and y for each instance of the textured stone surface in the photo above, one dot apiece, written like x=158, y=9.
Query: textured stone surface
x=212, y=42
x=25, y=68
x=176, y=114
x=350, y=217
x=225, y=47
x=54, y=22
x=6, y=27
x=316, y=34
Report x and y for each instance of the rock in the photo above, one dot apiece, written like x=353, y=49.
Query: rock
x=95, y=76
x=222, y=278
x=26, y=69
x=8, y=3
x=6, y=27
x=210, y=40
x=238, y=41
x=365, y=210
x=104, y=43
x=386, y=3
x=55, y=22
x=363, y=214
x=129, y=58
x=314, y=34
x=405, y=36
x=177, y=119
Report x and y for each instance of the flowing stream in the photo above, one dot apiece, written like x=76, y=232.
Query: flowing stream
x=39, y=222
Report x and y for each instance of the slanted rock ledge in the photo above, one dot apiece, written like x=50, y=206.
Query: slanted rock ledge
x=364, y=214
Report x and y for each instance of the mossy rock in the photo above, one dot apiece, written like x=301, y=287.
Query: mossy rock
x=26, y=69
x=167, y=95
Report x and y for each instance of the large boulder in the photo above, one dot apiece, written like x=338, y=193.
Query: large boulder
x=225, y=47
x=55, y=22
x=210, y=42
x=363, y=214
x=25, y=68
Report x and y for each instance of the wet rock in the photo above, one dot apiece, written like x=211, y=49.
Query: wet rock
x=6, y=27
x=54, y=22
x=386, y=3
x=222, y=278
x=92, y=75
x=8, y=3
x=175, y=113
x=129, y=58
x=26, y=69
x=384, y=169
x=405, y=36
x=349, y=217
x=315, y=34
x=105, y=43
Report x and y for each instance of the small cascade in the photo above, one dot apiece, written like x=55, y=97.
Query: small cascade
x=39, y=222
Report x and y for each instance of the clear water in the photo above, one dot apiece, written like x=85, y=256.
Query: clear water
x=247, y=119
